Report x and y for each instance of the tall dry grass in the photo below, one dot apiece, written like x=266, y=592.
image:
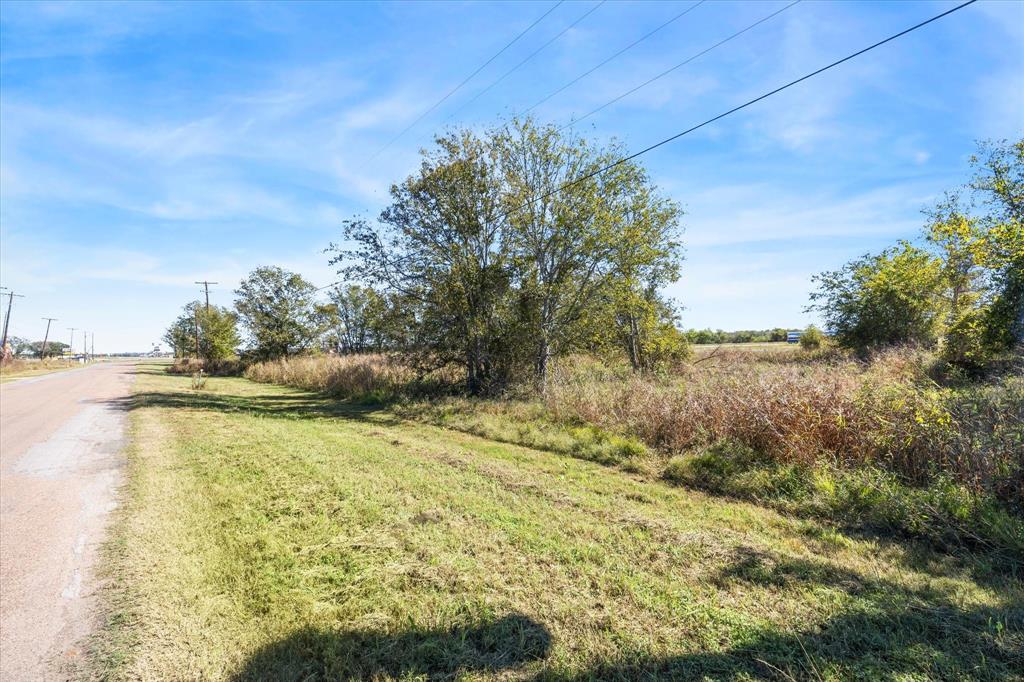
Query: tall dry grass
x=15, y=365
x=364, y=377
x=886, y=411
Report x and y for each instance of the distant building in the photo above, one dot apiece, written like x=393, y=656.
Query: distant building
x=793, y=336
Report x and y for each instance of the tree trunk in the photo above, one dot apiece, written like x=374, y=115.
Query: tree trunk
x=634, y=343
x=474, y=372
x=541, y=364
x=472, y=380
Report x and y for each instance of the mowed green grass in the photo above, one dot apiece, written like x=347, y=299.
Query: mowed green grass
x=271, y=534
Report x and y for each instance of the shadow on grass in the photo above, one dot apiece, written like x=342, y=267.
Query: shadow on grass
x=283, y=406
x=489, y=647
x=889, y=632
x=901, y=644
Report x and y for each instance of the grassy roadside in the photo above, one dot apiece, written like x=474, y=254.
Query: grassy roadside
x=34, y=370
x=268, y=533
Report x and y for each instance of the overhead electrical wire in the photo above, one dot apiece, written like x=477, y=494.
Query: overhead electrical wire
x=679, y=65
x=468, y=78
x=327, y=286
x=746, y=104
x=525, y=60
x=633, y=44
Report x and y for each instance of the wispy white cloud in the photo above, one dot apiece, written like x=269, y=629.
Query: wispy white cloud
x=47, y=30
x=760, y=212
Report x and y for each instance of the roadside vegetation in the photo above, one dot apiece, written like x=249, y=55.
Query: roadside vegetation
x=22, y=368
x=273, y=533
x=489, y=329
x=29, y=358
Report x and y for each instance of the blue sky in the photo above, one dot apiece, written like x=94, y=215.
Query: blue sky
x=146, y=146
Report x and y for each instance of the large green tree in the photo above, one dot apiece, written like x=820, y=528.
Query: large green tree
x=585, y=231
x=181, y=335
x=277, y=309
x=500, y=245
x=646, y=256
x=218, y=332
x=216, y=329
x=998, y=183
x=438, y=247
x=358, y=319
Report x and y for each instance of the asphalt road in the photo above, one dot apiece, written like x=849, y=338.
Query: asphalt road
x=61, y=464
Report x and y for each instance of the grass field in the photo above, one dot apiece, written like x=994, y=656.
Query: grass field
x=268, y=533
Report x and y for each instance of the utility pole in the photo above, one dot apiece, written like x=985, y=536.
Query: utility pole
x=46, y=336
x=71, y=346
x=7, y=317
x=206, y=288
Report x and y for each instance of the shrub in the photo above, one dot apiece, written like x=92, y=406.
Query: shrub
x=214, y=368
x=811, y=339
x=883, y=300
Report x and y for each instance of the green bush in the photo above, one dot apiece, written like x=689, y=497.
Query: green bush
x=812, y=338
x=944, y=512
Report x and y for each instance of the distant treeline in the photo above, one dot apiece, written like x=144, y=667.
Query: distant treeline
x=741, y=336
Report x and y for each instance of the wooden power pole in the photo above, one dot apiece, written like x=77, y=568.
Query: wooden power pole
x=46, y=336
x=71, y=346
x=206, y=289
x=7, y=317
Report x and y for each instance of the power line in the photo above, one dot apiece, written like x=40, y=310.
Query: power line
x=327, y=286
x=451, y=92
x=679, y=65
x=620, y=52
x=526, y=59
x=741, y=106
